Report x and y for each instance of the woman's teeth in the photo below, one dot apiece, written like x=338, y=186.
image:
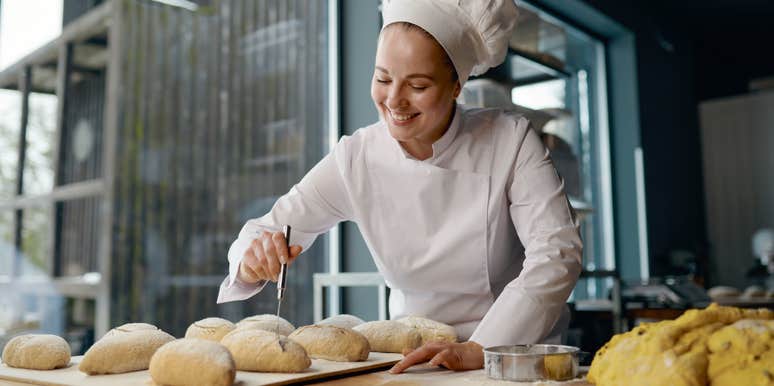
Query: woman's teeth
x=402, y=117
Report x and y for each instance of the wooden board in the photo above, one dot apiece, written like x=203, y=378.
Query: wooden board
x=70, y=376
x=426, y=375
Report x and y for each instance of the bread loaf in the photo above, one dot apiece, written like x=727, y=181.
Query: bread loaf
x=129, y=327
x=332, y=343
x=343, y=321
x=267, y=322
x=192, y=362
x=390, y=336
x=37, y=352
x=431, y=330
x=124, y=349
x=259, y=350
x=213, y=329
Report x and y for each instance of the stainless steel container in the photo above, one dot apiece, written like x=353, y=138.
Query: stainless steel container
x=532, y=362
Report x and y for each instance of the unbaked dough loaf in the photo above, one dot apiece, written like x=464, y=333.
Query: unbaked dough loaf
x=192, y=362
x=259, y=350
x=129, y=327
x=343, y=321
x=431, y=330
x=37, y=352
x=266, y=322
x=723, y=292
x=332, y=343
x=754, y=292
x=390, y=336
x=213, y=329
x=124, y=349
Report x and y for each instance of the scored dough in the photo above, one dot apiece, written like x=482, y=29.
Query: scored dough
x=213, y=329
x=193, y=362
x=267, y=322
x=431, y=330
x=390, y=336
x=124, y=349
x=259, y=350
x=342, y=320
x=129, y=327
x=37, y=352
x=332, y=343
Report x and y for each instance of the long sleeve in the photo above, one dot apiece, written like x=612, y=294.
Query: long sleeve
x=314, y=205
x=529, y=306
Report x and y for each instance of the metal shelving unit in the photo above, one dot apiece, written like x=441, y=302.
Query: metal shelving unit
x=522, y=67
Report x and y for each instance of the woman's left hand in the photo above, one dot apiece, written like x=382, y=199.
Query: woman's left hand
x=453, y=356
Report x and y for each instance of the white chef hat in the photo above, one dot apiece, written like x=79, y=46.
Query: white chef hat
x=474, y=33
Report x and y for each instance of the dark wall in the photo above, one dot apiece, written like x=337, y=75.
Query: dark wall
x=672, y=150
x=687, y=52
x=669, y=128
x=728, y=58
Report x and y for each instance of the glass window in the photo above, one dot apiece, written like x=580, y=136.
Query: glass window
x=82, y=133
x=36, y=241
x=222, y=110
x=10, y=119
x=39, y=163
x=7, y=248
x=79, y=233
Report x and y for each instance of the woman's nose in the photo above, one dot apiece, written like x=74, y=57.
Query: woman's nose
x=395, y=97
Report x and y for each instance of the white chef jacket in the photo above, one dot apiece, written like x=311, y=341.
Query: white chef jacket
x=479, y=236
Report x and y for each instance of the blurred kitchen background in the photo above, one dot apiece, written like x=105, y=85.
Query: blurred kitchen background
x=137, y=136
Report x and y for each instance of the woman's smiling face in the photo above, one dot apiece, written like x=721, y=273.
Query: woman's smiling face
x=413, y=86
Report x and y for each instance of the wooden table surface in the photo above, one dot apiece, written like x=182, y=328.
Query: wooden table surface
x=422, y=375
x=372, y=372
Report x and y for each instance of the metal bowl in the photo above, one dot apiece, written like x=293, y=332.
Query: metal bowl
x=532, y=362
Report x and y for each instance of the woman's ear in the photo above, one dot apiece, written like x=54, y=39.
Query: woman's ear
x=457, y=89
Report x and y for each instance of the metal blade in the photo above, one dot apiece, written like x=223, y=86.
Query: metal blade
x=279, y=305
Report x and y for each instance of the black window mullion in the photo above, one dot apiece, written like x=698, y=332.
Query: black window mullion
x=63, y=87
x=25, y=84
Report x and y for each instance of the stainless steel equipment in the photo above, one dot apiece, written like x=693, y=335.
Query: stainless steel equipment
x=282, y=277
x=532, y=362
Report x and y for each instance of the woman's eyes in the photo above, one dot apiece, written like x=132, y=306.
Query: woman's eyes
x=413, y=86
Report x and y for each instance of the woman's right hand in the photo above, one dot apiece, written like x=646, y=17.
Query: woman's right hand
x=264, y=257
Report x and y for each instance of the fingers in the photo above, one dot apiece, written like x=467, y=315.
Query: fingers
x=256, y=259
x=263, y=259
x=272, y=264
x=250, y=269
x=453, y=356
x=280, y=246
x=294, y=251
x=420, y=355
x=246, y=274
x=449, y=358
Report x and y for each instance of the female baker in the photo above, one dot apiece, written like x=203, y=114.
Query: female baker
x=462, y=209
